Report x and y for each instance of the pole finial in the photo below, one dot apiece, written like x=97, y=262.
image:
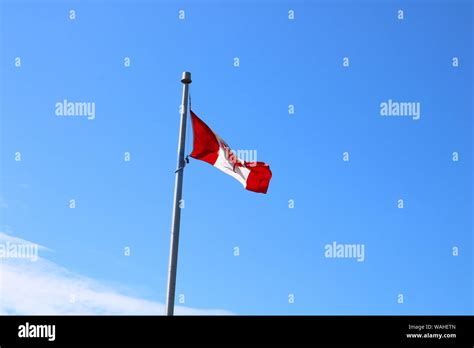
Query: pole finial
x=186, y=78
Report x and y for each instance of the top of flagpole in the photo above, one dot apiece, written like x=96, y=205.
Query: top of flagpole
x=186, y=78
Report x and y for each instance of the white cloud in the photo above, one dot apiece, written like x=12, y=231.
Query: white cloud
x=43, y=287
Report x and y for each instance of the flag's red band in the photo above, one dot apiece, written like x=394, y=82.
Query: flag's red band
x=259, y=177
x=205, y=144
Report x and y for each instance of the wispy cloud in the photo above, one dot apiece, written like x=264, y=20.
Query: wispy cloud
x=44, y=287
x=3, y=204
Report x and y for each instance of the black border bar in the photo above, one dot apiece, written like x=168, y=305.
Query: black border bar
x=328, y=330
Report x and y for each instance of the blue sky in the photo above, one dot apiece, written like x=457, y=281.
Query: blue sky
x=122, y=204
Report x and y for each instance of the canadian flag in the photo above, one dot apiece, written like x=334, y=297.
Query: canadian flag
x=211, y=148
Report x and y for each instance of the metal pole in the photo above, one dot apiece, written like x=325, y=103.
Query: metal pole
x=178, y=190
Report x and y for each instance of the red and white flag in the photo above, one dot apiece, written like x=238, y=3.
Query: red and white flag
x=211, y=148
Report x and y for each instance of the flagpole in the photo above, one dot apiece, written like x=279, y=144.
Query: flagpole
x=178, y=190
